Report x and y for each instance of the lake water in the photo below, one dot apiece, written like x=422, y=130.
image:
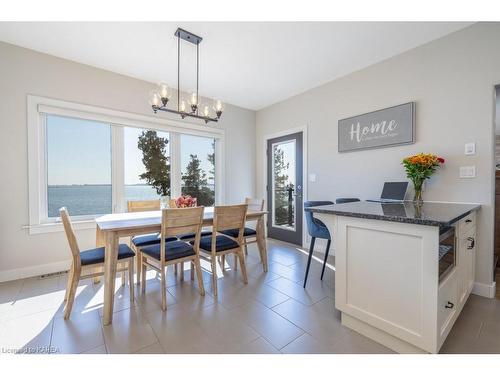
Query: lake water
x=92, y=199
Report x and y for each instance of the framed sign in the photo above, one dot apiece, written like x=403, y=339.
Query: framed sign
x=387, y=127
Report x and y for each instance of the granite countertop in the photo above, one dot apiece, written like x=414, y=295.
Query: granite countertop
x=429, y=213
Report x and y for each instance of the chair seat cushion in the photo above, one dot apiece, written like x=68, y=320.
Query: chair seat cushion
x=149, y=239
x=234, y=232
x=95, y=256
x=189, y=236
x=221, y=243
x=173, y=250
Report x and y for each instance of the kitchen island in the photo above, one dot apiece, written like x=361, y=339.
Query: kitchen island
x=403, y=272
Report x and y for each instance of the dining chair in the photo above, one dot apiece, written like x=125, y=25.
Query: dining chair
x=249, y=234
x=136, y=242
x=346, y=200
x=219, y=244
x=174, y=222
x=84, y=263
x=316, y=229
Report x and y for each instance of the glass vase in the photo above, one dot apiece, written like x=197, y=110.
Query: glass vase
x=164, y=202
x=418, y=199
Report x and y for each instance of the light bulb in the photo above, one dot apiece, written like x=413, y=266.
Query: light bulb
x=218, y=107
x=164, y=91
x=154, y=98
x=206, y=111
x=182, y=106
x=193, y=99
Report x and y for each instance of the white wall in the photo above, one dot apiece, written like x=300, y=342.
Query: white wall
x=23, y=72
x=452, y=82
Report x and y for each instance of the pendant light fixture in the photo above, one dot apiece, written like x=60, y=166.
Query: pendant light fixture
x=158, y=99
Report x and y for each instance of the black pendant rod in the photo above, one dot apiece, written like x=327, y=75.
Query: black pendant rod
x=197, y=76
x=178, y=72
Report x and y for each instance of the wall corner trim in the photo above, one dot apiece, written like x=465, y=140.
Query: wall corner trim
x=484, y=290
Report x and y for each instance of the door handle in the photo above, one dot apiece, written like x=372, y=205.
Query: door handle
x=449, y=305
x=472, y=243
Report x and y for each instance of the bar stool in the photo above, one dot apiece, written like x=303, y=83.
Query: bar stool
x=316, y=229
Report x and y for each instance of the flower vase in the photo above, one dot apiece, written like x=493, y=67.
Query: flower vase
x=164, y=202
x=417, y=199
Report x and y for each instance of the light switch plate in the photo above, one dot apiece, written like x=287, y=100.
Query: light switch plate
x=468, y=172
x=312, y=177
x=470, y=148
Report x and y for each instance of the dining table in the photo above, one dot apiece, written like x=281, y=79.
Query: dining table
x=110, y=228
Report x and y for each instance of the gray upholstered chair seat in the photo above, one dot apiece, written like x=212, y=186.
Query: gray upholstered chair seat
x=221, y=243
x=95, y=256
x=149, y=239
x=173, y=250
x=189, y=236
x=235, y=232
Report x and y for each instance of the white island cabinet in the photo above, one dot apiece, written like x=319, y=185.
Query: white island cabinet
x=403, y=272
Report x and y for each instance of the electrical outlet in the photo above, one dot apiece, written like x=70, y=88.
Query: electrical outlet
x=470, y=148
x=468, y=172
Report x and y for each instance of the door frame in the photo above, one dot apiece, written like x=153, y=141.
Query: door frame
x=305, y=181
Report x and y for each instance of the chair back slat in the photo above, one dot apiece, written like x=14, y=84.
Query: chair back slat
x=179, y=221
x=147, y=205
x=229, y=217
x=70, y=235
x=255, y=204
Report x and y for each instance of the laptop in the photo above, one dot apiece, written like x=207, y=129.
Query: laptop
x=393, y=192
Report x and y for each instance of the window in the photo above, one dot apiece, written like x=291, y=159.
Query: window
x=78, y=166
x=198, y=168
x=91, y=160
x=136, y=184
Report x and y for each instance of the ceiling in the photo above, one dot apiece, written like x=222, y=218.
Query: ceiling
x=252, y=65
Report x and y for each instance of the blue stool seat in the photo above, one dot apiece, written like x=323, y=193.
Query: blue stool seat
x=95, y=256
x=221, y=243
x=235, y=232
x=173, y=250
x=346, y=200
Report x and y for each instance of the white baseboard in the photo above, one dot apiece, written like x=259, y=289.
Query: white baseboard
x=485, y=290
x=22, y=273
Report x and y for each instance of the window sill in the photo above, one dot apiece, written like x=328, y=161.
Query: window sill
x=58, y=227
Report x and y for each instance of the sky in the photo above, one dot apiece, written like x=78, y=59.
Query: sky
x=79, y=152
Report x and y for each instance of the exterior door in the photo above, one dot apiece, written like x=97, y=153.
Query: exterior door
x=284, y=188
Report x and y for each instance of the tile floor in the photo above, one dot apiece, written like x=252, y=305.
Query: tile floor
x=273, y=314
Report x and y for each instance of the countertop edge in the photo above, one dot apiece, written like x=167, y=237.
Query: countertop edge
x=397, y=219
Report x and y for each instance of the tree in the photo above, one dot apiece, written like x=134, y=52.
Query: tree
x=155, y=160
x=283, y=210
x=195, y=183
x=211, y=160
